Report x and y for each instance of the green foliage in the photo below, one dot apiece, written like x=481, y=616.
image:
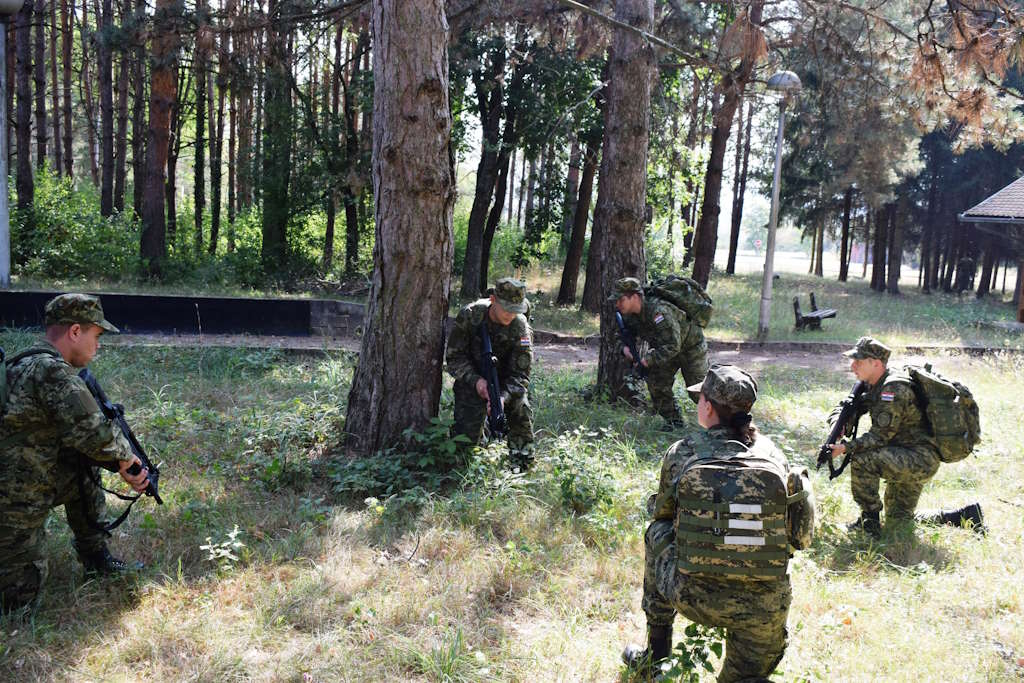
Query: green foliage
x=693, y=655
x=64, y=237
x=223, y=553
x=583, y=479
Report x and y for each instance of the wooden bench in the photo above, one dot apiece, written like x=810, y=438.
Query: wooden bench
x=811, y=320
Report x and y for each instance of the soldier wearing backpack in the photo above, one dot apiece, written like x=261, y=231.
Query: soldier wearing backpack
x=670, y=315
x=47, y=422
x=728, y=514
x=918, y=420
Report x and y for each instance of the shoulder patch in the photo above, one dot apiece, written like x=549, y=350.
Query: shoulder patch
x=524, y=340
x=888, y=396
x=659, y=318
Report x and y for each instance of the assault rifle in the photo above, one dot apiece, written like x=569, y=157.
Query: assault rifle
x=115, y=412
x=630, y=341
x=847, y=413
x=497, y=423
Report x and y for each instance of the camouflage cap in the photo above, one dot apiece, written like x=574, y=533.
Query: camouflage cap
x=511, y=294
x=625, y=286
x=729, y=386
x=68, y=309
x=869, y=347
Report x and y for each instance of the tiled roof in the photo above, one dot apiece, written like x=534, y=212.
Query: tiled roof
x=1007, y=204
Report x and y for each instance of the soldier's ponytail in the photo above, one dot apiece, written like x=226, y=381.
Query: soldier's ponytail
x=740, y=421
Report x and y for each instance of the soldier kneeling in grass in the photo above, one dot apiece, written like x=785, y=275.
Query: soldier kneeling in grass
x=728, y=514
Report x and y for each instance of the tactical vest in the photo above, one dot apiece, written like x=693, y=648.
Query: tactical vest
x=732, y=512
x=950, y=412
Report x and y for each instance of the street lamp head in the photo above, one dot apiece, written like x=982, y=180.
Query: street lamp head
x=10, y=7
x=785, y=82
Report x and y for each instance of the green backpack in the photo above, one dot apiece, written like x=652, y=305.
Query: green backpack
x=685, y=294
x=732, y=516
x=950, y=412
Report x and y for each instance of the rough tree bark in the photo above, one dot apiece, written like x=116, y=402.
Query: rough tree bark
x=86, y=95
x=277, y=137
x=121, y=136
x=844, y=247
x=23, y=86
x=895, y=245
x=199, y=64
x=572, y=187
x=138, y=109
x=105, y=74
x=66, y=41
x=622, y=182
x=164, y=70
x=397, y=384
x=39, y=24
x=58, y=148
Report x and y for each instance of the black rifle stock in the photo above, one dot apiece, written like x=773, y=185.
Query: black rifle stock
x=115, y=412
x=847, y=412
x=497, y=423
x=630, y=341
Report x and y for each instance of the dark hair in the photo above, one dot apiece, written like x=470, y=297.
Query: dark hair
x=740, y=421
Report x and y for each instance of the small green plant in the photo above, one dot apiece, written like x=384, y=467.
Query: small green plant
x=223, y=552
x=693, y=654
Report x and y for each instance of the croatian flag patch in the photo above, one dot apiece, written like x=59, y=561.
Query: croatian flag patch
x=658, y=318
x=524, y=341
x=888, y=396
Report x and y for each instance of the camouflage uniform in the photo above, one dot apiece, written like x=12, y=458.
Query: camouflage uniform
x=675, y=345
x=753, y=612
x=897, y=448
x=50, y=420
x=513, y=347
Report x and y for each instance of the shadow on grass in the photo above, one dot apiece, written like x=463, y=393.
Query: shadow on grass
x=900, y=549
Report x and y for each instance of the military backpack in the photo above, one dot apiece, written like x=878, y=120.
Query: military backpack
x=685, y=294
x=6, y=363
x=733, y=513
x=950, y=412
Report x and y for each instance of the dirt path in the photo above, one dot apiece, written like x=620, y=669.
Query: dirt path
x=549, y=355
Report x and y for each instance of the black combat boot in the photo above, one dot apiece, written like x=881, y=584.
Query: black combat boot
x=969, y=516
x=644, y=661
x=100, y=562
x=868, y=523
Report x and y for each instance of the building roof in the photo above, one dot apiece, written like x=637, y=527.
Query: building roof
x=1005, y=206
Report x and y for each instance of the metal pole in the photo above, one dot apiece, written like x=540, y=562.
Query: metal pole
x=5, y=209
x=769, y=257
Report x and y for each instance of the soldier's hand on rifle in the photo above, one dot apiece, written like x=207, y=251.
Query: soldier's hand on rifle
x=838, y=449
x=481, y=389
x=139, y=481
x=489, y=405
x=627, y=353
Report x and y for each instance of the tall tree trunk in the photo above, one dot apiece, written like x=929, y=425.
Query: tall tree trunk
x=39, y=19
x=572, y=186
x=66, y=41
x=23, y=128
x=55, y=110
x=173, y=153
x=844, y=247
x=105, y=73
x=574, y=255
x=511, y=188
x=200, y=64
x=622, y=183
x=488, y=82
x=953, y=243
x=531, y=183
x=139, y=95
x=232, y=122
x=739, y=185
x=686, y=207
x=989, y=261
x=86, y=94
x=878, y=250
x=397, y=384
x=121, y=137
x=352, y=190
x=164, y=70
x=814, y=250
x=895, y=246
x=277, y=137
x=523, y=190
x=216, y=150
x=819, y=253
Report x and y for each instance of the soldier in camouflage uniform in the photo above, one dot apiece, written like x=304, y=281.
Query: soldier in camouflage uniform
x=512, y=342
x=49, y=422
x=897, y=448
x=676, y=344
x=753, y=610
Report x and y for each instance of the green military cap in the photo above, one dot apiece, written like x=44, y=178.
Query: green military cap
x=68, y=309
x=625, y=286
x=728, y=385
x=868, y=347
x=511, y=294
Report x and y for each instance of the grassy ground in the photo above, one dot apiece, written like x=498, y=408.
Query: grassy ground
x=911, y=318
x=485, y=576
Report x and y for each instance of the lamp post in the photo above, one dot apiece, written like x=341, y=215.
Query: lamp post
x=8, y=8
x=785, y=82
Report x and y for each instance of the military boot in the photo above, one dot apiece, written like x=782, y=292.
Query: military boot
x=868, y=522
x=969, y=516
x=100, y=562
x=644, y=661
